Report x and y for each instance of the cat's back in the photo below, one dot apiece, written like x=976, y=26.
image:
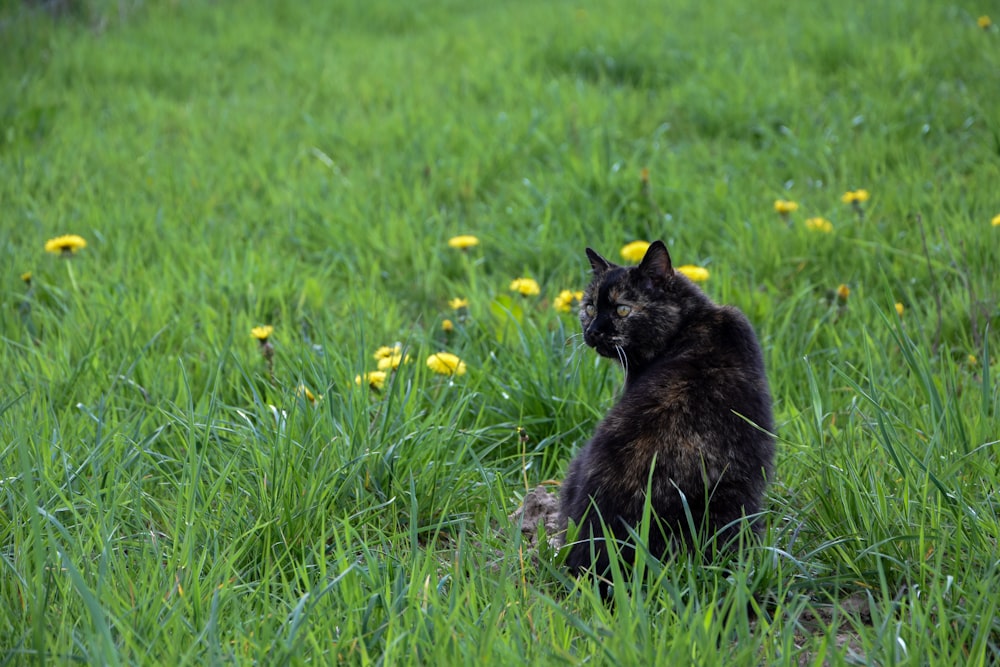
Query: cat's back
x=704, y=403
x=716, y=356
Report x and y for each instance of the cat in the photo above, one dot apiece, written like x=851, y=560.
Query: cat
x=693, y=424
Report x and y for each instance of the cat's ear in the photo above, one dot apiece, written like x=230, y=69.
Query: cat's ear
x=656, y=263
x=598, y=263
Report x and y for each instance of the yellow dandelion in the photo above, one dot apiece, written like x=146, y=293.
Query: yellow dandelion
x=65, y=245
x=525, y=286
x=564, y=302
x=447, y=326
x=446, y=363
x=458, y=303
x=900, y=308
x=855, y=196
x=262, y=333
x=304, y=392
x=984, y=22
x=385, y=351
x=26, y=276
x=634, y=251
x=393, y=361
x=971, y=360
x=784, y=206
x=819, y=225
x=996, y=220
x=843, y=291
x=375, y=380
x=463, y=242
x=698, y=274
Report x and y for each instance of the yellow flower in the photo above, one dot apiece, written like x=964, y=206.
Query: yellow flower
x=971, y=359
x=900, y=308
x=996, y=220
x=843, y=291
x=447, y=326
x=819, y=225
x=698, y=274
x=393, y=361
x=385, y=351
x=26, y=276
x=262, y=333
x=458, y=302
x=308, y=395
x=784, y=206
x=446, y=363
x=564, y=302
x=525, y=286
x=855, y=196
x=984, y=22
x=634, y=251
x=64, y=245
x=463, y=242
x=375, y=380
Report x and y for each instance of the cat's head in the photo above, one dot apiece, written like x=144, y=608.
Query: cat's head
x=630, y=313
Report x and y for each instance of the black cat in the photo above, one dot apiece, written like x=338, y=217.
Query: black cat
x=692, y=425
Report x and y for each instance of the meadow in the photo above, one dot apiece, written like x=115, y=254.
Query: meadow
x=179, y=486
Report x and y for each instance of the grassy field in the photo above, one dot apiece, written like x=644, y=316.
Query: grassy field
x=173, y=490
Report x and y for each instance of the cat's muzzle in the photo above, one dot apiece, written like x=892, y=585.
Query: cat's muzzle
x=602, y=345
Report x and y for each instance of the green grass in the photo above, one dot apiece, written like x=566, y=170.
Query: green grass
x=166, y=497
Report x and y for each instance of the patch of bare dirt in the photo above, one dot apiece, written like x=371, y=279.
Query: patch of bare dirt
x=848, y=611
x=539, y=509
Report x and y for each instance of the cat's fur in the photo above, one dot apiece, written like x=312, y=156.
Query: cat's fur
x=692, y=424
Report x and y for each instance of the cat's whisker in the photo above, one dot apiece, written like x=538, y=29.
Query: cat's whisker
x=576, y=343
x=622, y=358
x=577, y=348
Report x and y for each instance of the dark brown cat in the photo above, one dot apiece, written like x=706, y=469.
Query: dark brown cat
x=692, y=424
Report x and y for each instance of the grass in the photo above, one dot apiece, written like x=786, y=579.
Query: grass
x=168, y=495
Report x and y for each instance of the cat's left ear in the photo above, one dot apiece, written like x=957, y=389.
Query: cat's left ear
x=656, y=264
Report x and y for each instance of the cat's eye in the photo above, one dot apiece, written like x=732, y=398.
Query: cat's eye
x=623, y=310
x=590, y=310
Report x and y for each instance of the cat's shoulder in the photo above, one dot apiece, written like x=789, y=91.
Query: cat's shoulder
x=728, y=314
x=731, y=326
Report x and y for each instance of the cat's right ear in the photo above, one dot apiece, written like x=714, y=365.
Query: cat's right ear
x=598, y=263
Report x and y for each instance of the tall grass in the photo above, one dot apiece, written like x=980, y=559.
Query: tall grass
x=171, y=495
